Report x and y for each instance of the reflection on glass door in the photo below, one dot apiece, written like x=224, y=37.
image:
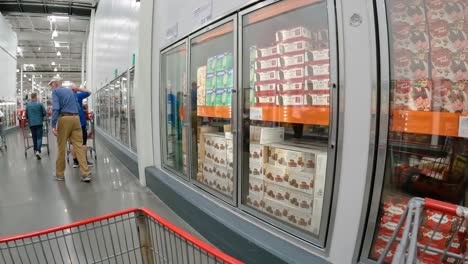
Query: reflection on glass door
x=133, y=143
x=124, y=136
x=212, y=76
x=427, y=153
x=117, y=107
x=286, y=114
x=174, y=92
x=111, y=109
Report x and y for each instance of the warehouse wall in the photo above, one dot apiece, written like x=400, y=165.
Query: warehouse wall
x=115, y=39
x=8, y=44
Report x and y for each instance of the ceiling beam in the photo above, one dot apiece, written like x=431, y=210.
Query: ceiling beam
x=63, y=62
x=66, y=5
x=46, y=36
x=20, y=14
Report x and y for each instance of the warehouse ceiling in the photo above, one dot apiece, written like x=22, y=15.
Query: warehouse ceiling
x=52, y=35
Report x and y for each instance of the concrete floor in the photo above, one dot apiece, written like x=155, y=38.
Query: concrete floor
x=31, y=199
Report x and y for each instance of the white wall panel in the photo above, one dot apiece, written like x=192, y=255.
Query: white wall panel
x=8, y=44
x=115, y=39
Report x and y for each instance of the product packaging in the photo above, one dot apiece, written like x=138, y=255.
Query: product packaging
x=201, y=96
x=267, y=64
x=277, y=209
x=293, y=34
x=256, y=168
x=227, y=61
x=318, y=56
x=448, y=36
x=267, y=77
x=220, y=78
x=317, y=99
x=211, y=65
x=210, y=97
x=409, y=65
x=318, y=70
x=268, y=52
x=317, y=84
x=275, y=174
x=290, y=100
x=265, y=100
x=210, y=81
x=266, y=89
x=256, y=151
x=201, y=76
x=228, y=81
x=301, y=218
x=219, y=66
x=292, y=74
x=297, y=60
x=255, y=200
x=291, y=87
x=297, y=47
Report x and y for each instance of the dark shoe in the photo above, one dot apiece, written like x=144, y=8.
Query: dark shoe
x=57, y=178
x=90, y=164
x=38, y=155
x=75, y=164
x=86, y=178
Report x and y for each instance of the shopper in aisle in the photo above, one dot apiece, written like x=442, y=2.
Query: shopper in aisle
x=35, y=113
x=81, y=94
x=66, y=126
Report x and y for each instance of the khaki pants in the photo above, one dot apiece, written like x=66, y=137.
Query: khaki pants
x=69, y=127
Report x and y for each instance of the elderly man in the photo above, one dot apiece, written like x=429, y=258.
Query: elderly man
x=35, y=113
x=66, y=125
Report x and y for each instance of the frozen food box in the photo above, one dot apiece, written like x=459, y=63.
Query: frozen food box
x=201, y=76
x=267, y=64
x=267, y=77
x=317, y=84
x=219, y=62
x=317, y=99
x=201, y=96
x=290, y=100
x=277, y=209
x=255, y=200
x=301, y=218
x=227, y=100
x=414, y=38
x=289, y=196
x=317, y=70
x=295, y=60
x=271, y=134
x=256, y=168
x=210, y=97
x=293, y=34
x=277, y=192
x=210, y=81
x=228, y=81
x=256, y=186
x=220, y=94
x=296, y=47
x=256, y=151
x=292, y=74
x=265, y=100
x=267, y=89
x=211, y=65
x=291, y=86
x=275, y=174
x=450, y=36
x=268, y=52
x=220, y=77
x=227, y=61
x=448, y=65
x=409, y=65
x=317, y=55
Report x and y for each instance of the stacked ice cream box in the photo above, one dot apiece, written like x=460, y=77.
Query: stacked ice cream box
x=438, y=230
x=215, y=81
x=430, y=49
x=294, y=71
x=216, y=164
x=286, y=181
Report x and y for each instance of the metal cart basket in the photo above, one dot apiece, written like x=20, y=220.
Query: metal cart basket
x=130, y=236
x=429, y=231
x=27, y=137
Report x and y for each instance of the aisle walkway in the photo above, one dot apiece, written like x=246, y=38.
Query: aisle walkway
x=31, y=199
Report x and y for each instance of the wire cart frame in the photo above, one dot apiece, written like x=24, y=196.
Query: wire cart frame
x=91, y=141
x=129, y=236
x=442, y=239
x=27, y=137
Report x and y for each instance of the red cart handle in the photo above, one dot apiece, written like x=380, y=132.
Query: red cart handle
x=444, y=207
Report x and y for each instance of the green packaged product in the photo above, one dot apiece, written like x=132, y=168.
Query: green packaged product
x=227, y=62
x=211, y=65
x=252, y=97
x=210, y=81
x=228, y=100
x=220, y=97
x=253, y=53
x=220, y=79
x=219, y=62
x=229, y=79
x=209, y=97
x=252, y=76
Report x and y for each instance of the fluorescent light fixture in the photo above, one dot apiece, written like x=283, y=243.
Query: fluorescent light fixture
x=54, y=34
x=59, y=53
x=19, y=49
x=52, y=63
x=39, y=49
x=24, y=75
x=29, y=79
x=17, y=70
x=55, y=69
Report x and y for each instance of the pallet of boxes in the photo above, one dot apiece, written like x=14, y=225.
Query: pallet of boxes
x=286, y=180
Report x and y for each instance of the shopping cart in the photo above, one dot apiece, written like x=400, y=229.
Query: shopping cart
x=130, y=236
x=27, y=137
x=91, y=141
x=429, y=231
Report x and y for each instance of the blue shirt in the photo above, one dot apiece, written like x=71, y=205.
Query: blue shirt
x=63, y=101
x=35, y=113
x=81, y=96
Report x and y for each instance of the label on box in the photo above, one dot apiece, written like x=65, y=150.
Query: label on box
x=267, y=76
x=303, y=181
x=267, y=64
x=219, y=63
x=220, y=94
x=294, y=33
x=256, y=185
x=220, y=79
x=275, y=208
x=265, y=100
x=275, y=174
x=271, y=135
x=294, y=47
x=291, y=86
x=265, y=87
x=289, y=100
x=255, y=168
x=211, y=65
x=227, y=61
x=318, y=55
x=300, y=217
x=277, y=192
x=268, y=52
x=317, y=70
x=290, y=74
x=317, y=99
x=256, y=113
x=255, y=200
x=320, y=84
x=255, y=151
x=228, y=81
x=294, y=60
